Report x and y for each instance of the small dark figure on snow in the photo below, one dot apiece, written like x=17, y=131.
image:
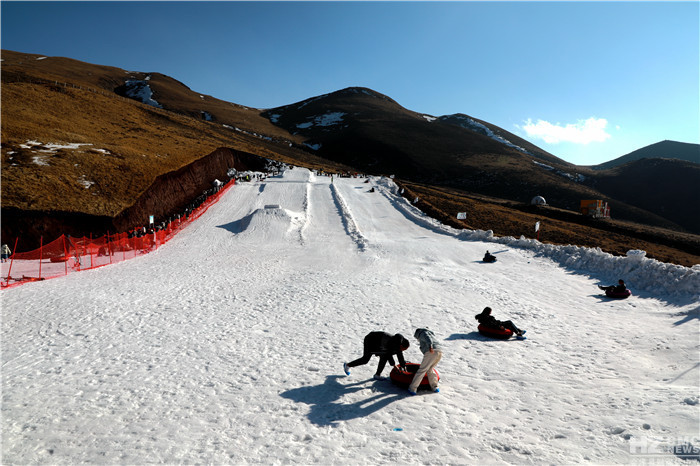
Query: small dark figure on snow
x=5, y=253
x=385, y=346
x=489, y=257
x=619, y=288
x=487, y=320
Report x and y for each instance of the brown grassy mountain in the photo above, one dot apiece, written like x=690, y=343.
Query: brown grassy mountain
x=73, y=149
x=127, y=146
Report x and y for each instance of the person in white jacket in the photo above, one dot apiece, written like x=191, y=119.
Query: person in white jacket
x=432, y=353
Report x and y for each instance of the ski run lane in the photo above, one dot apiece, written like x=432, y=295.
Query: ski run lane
x=225, y=346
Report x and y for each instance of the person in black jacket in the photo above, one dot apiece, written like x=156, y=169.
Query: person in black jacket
x=488, y=257
x=385, y=346
x=487, y=320
x=619, y=288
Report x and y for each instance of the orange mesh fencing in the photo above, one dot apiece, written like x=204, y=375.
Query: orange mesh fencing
x=70, y=254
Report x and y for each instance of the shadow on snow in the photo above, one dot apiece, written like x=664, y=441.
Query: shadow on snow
x=327, y=407
x=476, y=336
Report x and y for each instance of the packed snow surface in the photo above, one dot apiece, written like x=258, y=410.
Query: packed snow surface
x=226, y=345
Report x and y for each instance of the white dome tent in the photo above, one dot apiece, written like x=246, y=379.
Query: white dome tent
x=538, y=200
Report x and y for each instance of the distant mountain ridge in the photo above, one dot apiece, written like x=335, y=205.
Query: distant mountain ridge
x=660, y=150
x=368, y=130
x=45, y=99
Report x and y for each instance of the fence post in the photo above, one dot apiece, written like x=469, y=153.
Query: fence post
x=65, y=254
x=109, y=248
x=90, y=250
x=41, y=254
x=12, y=259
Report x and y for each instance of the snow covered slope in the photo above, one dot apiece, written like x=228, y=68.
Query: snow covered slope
x=226, y=345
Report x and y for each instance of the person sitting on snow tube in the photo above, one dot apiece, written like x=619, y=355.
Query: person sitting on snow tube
x=488, y=257
x=487, y=320
x=620, y=288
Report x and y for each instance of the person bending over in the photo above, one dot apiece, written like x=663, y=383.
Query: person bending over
x=385, y=346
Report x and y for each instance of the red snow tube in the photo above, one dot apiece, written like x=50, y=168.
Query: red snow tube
x=404, y=379
x=59, y=259
x=495, y=332
x=618, y=295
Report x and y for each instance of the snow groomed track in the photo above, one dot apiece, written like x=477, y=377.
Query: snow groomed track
x=226, y=345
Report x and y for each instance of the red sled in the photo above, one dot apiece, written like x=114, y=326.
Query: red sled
x=404, y=378
x=495, y=332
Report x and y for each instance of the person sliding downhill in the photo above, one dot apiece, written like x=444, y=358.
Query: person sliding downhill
x=619, y=288
x=487, y=320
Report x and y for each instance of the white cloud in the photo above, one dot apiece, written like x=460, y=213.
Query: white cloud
x=581, y=132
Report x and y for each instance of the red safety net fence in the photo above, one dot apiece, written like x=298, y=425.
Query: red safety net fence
x=70, y=254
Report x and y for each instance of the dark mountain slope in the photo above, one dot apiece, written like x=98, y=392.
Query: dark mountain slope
x=670, y=187
x=370, y=131
x=660, y=150
x=375, y=132
x=501, y=135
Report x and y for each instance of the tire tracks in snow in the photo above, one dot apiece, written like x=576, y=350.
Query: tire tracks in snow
x=348, y=220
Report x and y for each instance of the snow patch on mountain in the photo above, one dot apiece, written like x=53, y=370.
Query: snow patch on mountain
x=85, y=183
x=51, y=147
x=473, y=125
x=307, y=102
x=249, y=133
x=313, y=146
x=327, y=119
x=577, y=177
x=43, y=151
x=139, y=89
x=42, y=160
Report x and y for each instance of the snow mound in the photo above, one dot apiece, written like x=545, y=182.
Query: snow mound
x=269, y=223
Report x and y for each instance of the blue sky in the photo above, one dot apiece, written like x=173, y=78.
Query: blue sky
x=586, y=81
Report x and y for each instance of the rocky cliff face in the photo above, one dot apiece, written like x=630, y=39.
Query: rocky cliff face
x=169, y=193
